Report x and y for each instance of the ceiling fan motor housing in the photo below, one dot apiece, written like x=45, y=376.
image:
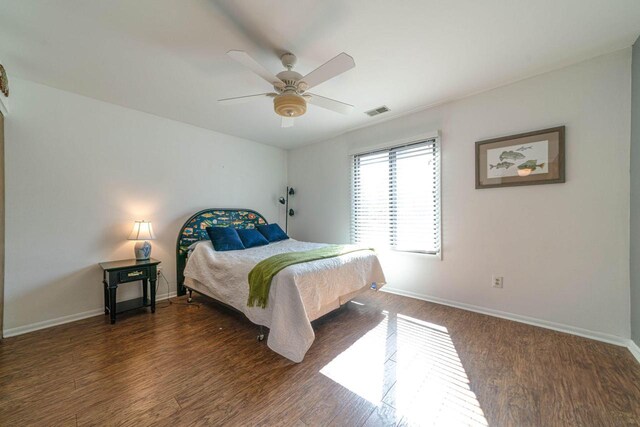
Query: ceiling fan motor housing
x=290, y=78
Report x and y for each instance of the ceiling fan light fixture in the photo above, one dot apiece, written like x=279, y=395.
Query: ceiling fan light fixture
x=289, y=105
x=290, y=95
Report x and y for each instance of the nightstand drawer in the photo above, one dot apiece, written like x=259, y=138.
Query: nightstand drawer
x=130, y=275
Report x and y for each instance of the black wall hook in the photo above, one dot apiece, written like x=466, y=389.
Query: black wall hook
x=290, y=212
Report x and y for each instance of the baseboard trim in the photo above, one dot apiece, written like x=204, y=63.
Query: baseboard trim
x=12, y=332
x=634, y=349
x=20, y=330
x=598, y=336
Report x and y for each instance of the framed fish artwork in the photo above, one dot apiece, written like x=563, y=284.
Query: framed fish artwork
x=525, y=159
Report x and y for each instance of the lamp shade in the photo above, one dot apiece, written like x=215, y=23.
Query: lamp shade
x=142, y=230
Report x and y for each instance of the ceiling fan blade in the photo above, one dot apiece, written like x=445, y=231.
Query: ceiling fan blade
x=243, y=58
x=328, y=103
x=287, y=122
x=329, y=70
x=243, y=99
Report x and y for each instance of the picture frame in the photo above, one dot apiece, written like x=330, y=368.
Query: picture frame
x=530, y=158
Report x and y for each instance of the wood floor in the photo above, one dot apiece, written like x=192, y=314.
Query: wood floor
x=382, y=360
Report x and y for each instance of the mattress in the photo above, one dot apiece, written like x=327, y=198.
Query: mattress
x=299, y=293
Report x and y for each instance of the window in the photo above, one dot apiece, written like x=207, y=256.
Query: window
x=396, y=198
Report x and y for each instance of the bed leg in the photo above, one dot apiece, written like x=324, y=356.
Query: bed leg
x=261, y=333
x=189, y=298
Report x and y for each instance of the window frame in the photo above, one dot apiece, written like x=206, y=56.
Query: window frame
x=389, y=146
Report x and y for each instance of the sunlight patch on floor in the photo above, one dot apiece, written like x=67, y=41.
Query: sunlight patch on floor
x=359, y=367
x=412, y=366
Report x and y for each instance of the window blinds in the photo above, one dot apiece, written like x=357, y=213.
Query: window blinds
x=396, y=198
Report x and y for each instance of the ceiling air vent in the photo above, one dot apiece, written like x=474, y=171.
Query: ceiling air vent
x=377, y=111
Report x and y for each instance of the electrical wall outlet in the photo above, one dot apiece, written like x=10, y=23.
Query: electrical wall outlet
x=496, y=281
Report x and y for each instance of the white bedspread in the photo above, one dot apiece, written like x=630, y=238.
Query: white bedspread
x=299, y=293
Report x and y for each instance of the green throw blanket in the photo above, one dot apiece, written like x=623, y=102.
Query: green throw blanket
x=260, y=276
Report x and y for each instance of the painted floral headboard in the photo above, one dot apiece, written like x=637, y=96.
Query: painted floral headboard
x=195, y=229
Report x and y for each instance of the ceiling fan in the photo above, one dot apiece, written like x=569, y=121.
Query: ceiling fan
x=290, y=97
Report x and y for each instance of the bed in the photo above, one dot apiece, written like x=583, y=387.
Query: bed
x=299, y=294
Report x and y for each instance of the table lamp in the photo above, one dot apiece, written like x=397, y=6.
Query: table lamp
x=142, y=231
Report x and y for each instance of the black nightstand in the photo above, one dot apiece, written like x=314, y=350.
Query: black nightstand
x=125, y=271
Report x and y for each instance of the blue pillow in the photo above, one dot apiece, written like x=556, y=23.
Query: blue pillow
x=272, y=232
x=224, y=238
x=251, y=237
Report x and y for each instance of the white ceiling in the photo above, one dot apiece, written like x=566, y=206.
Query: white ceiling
x=167, y=57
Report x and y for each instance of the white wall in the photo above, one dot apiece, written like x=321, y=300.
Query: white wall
x=635, y=196
x=563, y=249
x=80, y=171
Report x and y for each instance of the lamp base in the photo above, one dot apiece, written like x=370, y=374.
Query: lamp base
x=142, y=250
